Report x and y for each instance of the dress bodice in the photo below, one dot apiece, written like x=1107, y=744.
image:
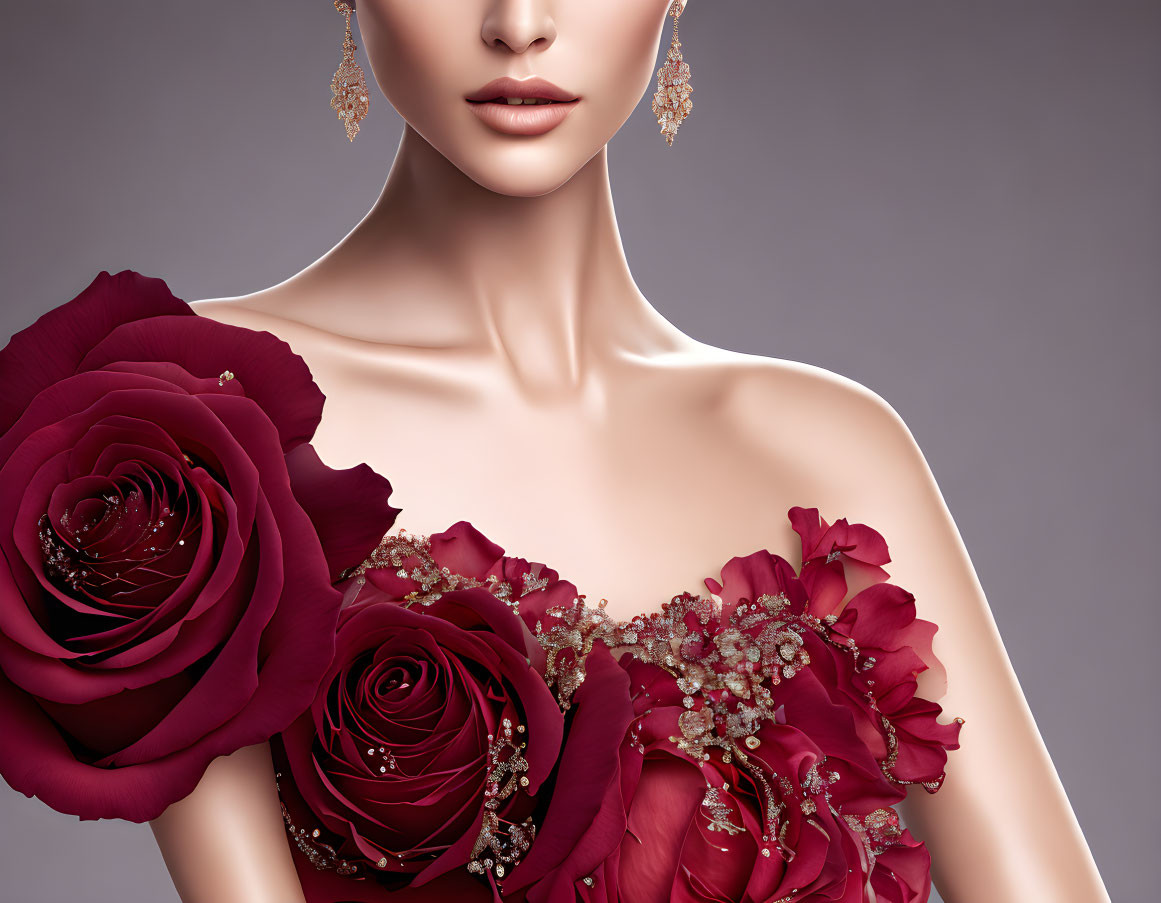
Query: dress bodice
x=793, y=705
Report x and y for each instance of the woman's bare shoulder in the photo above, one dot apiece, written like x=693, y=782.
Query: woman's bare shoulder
x=259, y=310
x=271, y=310
x=789, y=396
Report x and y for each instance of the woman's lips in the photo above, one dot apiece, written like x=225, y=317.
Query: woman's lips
x=524, y=118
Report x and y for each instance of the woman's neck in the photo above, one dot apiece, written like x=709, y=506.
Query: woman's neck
x=540, y=284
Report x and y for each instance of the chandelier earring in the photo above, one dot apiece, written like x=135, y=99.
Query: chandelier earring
x=672, y=103
x=350, y=99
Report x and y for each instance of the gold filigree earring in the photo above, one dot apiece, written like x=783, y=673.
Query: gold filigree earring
x=672, y=103
x=349, y=86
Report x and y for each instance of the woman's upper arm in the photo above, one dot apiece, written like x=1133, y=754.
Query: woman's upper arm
x=1001, y=827
x=226, y=842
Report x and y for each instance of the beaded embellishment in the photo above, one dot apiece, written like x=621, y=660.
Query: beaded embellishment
x=728, y=668
x=497, y=848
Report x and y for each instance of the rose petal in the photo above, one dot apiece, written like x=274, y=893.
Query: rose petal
x=59, y=339
x=271, y=374
x=348, y=534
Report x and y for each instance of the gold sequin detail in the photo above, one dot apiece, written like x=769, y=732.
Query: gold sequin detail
x=321, y=855
x=720, y=812
x=409, y=555
x=498, y=847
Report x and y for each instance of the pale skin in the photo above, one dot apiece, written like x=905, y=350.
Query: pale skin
x=481, y=342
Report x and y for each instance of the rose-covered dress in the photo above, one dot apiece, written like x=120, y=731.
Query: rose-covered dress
x=182, y=576
x=484, y=733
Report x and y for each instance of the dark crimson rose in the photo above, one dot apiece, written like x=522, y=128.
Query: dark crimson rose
x=580, y=813
x=392, y=758
x=435, y=649
x=169, y=544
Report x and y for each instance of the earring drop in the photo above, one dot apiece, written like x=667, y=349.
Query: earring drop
x=672, y=103
x=349, y=86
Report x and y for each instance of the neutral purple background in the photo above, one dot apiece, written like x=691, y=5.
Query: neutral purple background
x=957, y=204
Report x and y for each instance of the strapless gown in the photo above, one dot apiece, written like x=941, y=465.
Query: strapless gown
x=182, y=576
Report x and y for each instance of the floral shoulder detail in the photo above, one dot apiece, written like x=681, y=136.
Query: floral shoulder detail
x=760, y=626
x=169, y=543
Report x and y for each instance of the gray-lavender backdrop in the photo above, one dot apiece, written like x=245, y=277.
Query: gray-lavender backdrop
x=957, y=204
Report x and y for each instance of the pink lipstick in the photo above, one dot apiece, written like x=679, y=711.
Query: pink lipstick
x=530, y=106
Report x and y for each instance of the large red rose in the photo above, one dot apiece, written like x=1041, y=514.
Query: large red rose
x=390, y=766
x=429, y=708
x=169, y=543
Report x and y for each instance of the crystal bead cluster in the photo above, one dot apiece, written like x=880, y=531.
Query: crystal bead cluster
x=726, y=664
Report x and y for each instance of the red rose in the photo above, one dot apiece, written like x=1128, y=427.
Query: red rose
x=169, y=542
x=429, y=706
x=451, y=606
x=794, y=823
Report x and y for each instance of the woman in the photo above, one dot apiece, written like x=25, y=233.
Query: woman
x=484, y=310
